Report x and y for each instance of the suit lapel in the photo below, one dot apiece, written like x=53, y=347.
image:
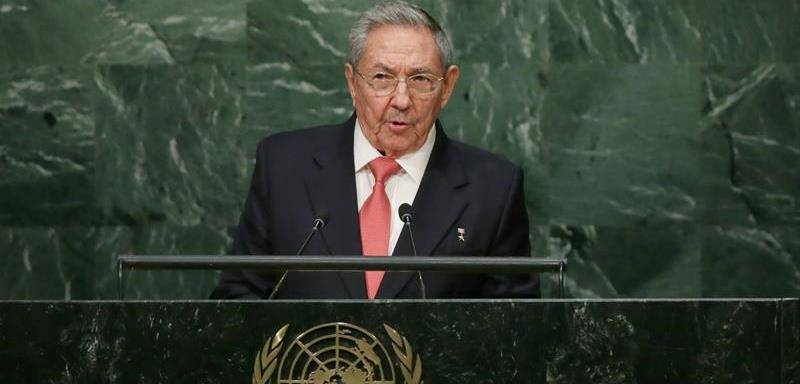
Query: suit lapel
x=331, y=187
x=438, y=203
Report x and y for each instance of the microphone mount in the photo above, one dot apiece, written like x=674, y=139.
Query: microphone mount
x=318, y=223
x=405, y=215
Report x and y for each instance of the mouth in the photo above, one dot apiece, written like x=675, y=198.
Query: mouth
x=399, y=126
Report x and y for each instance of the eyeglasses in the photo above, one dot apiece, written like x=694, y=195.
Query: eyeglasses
x=385, y=83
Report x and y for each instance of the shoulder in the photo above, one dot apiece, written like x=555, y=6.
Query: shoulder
x=304, y=143
x=481, y=163
x=305, y=138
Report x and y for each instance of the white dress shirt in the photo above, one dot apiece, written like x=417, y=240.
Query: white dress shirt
x=401, y=187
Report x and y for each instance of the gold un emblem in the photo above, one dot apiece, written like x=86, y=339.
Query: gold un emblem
x=336, y=353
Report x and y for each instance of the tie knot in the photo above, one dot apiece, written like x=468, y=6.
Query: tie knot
x=382, y=168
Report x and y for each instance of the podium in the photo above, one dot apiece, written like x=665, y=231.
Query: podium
x=461, y=341
x=398, y=341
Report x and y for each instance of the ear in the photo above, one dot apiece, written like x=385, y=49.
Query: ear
x=349, y=74
x=450, y=79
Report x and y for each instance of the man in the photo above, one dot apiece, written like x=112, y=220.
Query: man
x=466, y=202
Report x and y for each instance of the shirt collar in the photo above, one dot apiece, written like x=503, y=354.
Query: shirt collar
x=413, y=163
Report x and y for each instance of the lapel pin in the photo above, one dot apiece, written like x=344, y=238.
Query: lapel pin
x=461, y=233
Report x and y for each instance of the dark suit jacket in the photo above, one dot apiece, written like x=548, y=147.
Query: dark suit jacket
x=304, y=172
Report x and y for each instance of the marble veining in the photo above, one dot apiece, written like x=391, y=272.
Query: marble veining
x=659, y=139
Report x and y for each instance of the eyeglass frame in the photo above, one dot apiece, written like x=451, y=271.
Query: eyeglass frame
x=438, y=80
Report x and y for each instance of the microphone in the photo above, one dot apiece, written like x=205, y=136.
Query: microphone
x=318, y=223
x=405, y=215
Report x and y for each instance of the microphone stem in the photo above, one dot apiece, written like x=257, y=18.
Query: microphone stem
x=411, y=236
x=414, y=249
x=308, y=238
x=317, y=224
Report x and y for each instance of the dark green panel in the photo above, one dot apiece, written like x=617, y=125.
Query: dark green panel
x=531, y=341
x=503, y=33
x=673, y=260
x=282, y=98
x=157, y=341
x=299, y=34
x=47, y=147
x=668, y=342
x=44, y=32
x=751, y=262
x=736, y=340
x=79, y=263
x=158, y=240
x=598, y=31
x=757, y=109
x=170, y=145
x=684, y=31
x=790, y=340
x=605, y=262
x=36, y=32
x=41, y=263
x=626, y=145
x=193, y=31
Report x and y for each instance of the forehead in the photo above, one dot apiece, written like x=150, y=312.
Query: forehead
x=400, y=47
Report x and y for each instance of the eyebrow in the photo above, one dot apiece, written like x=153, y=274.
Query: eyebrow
x=414, y=71
x=418, y=70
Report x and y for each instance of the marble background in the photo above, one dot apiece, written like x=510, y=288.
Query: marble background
x=660, y=139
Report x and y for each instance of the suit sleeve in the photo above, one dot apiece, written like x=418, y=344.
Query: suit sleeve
x=251, y=237
x=511, y=239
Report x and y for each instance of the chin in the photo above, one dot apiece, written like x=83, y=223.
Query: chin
x=395, y=147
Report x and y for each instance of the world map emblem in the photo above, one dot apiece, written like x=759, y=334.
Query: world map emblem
x=336, y=353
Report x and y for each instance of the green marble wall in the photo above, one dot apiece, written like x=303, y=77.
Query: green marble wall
x=660, y=139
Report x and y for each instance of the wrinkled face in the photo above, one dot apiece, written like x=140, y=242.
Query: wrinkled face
x=398, y=123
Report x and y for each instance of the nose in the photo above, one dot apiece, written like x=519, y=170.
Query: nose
x=401, y=99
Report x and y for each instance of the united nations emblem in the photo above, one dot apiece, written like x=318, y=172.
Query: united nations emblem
x=336, y=353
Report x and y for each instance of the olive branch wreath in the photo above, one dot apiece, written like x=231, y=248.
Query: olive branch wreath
x=410, y=368
x=267, y=359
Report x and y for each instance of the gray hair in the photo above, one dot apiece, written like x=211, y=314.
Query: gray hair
x=397, y=13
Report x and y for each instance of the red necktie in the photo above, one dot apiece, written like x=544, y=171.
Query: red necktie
x=375, y=219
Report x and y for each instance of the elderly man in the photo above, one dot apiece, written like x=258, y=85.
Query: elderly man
x=357, y=174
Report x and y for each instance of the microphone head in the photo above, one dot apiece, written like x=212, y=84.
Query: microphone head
x=405, y=212
x=321, y=218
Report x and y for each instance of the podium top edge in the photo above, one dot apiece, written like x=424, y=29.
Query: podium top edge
x=344, y=263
